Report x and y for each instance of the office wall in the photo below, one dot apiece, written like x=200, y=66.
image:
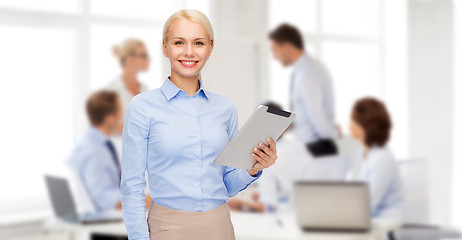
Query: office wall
x=232, y=72
x=457, y=150
x=431, y=97
x=248, y=22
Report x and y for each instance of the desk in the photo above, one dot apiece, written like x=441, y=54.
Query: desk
x=247, y=226
x=254, y=226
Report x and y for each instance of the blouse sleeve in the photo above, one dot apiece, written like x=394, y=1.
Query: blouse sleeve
x=134, y=158
x=236, y=179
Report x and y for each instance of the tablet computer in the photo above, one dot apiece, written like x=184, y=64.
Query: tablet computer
x=265, y=122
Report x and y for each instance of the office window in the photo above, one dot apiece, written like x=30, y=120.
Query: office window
x=356, y=18
x=343, y=35
x=279, y=90
x=302, y=13
x=36, y=99
x=63, y=6
x=147, y=9
x=350, y=38
x=355, y=69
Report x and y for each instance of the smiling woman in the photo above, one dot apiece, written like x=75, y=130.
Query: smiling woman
x=175, y=133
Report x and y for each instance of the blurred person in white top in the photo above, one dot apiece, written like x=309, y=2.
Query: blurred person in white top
x=311, y=92
x=133, y=58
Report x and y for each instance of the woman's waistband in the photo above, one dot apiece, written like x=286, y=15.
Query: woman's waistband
x=160, y=211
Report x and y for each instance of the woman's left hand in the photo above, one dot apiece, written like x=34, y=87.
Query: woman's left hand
x=265, y=157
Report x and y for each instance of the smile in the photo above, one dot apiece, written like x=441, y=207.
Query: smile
x=188, y=63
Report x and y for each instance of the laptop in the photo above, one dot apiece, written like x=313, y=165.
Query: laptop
x=333, y=206
x=64, y=207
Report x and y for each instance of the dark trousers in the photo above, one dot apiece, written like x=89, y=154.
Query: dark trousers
x=107, y=237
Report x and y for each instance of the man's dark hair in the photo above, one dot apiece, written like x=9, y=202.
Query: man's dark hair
x=100, y=105
x=286, y=33
x=373, y=116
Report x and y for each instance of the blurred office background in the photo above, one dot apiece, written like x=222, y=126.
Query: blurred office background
x=54, y=53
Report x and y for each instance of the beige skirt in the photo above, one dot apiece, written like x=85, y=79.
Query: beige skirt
x=169, y=224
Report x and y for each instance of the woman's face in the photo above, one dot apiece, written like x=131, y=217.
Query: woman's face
x=357, y=131
x=139, y=60
x=188, y=47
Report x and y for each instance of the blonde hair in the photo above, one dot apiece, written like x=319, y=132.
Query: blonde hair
x=122, y=51
x=191, y=15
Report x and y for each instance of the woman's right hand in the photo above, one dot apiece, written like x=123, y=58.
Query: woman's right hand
x=265, y=157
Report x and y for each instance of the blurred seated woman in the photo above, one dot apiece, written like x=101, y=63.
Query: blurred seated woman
x=370, y=124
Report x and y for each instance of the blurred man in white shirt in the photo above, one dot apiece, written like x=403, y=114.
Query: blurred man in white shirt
x=311, y=93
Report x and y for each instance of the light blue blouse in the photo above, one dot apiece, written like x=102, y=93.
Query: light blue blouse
x=380, y=171
x=176, y=138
